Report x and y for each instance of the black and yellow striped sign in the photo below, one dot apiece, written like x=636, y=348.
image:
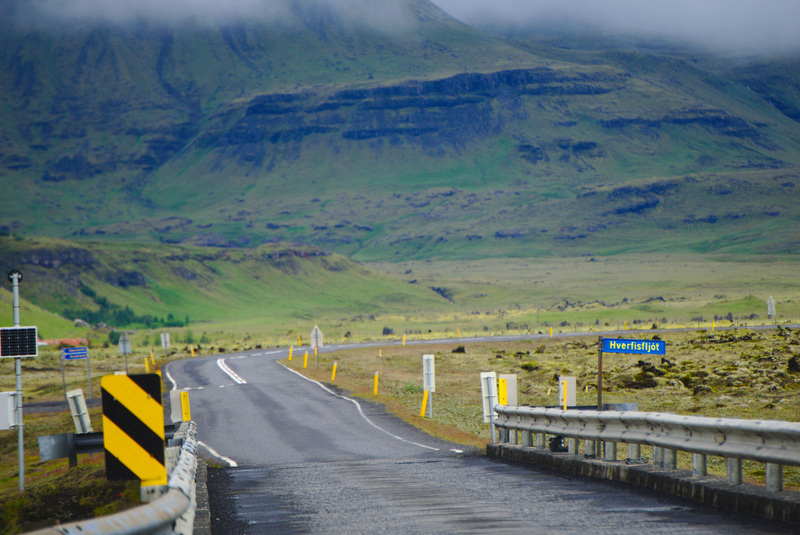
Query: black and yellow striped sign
x=133, y=428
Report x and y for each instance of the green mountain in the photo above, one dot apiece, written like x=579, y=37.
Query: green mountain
x=428, y=139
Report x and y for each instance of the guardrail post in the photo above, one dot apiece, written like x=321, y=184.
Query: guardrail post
x=670, y=459
x=502, y=435
x=699, y=466
x=527, y=439
x=588, y=448
x=734, y=471
x=658, y=456
x=634, y=451
x=611, y=451
x=573, y=446
x=514, y=437
x=774, y=477
x=540, y=441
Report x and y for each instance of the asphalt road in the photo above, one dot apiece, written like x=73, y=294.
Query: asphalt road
x=297, y=457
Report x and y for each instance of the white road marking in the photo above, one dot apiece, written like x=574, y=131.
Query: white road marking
x=174, y=383
x=214, y=452
x=360, y=411
x=232, y=374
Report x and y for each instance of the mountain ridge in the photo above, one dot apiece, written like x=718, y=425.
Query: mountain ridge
x=438, y=139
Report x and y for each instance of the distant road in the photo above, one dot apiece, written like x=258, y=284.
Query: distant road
x=298, y=457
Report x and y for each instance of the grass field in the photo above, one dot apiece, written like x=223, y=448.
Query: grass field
x=239, y=299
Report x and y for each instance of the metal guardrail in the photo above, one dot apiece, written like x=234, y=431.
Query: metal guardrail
x=775, y=443
x=172, y=513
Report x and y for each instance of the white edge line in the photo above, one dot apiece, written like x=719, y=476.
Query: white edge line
x=216, y=454
x=174, y=383
x=360, y=411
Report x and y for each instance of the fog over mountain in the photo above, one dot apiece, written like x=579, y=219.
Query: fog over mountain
x=39, y=13
x=738, y=25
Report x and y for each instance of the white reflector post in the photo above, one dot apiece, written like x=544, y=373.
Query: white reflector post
x=488, y=394
x=428, y=373
x=566, y=391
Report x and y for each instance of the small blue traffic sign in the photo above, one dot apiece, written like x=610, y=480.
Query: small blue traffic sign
x=75, y=353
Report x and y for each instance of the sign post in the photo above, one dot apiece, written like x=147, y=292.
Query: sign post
x=125, y=348
x=76, y=353
x=616, y=345
x=165, y=343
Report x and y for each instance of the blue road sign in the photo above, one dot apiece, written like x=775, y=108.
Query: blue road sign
x=75, y=353
x=642, y=347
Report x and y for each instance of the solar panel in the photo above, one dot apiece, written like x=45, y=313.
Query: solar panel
x=18, y=342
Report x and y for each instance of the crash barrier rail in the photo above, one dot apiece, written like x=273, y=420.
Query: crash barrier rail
x=774, y=443
x=69, y=445
x=173, y=512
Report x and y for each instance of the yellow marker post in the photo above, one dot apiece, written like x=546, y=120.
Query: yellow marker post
x=424, y=404
x=404, y=340
x=333, y=375
x=291, y=349
x=192, y=352
x=712, y=326
x=151, y=354
x=300, y=341
x=551, y=332
x=305, y=361
x=380, y=352
x=502, y=391
x=186, y=411
x=146, y=365
x=375, y=388
x=625, y=325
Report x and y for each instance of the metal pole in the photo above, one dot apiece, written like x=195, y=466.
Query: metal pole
x=600, y=374
x=491, y=407
x=89, y=374
x=15, y=277
x=63, y=378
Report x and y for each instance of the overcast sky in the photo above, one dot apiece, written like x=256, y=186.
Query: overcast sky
x=760, y=25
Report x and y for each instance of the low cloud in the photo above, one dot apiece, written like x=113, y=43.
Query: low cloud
x=758, y=25
x=47, y=12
